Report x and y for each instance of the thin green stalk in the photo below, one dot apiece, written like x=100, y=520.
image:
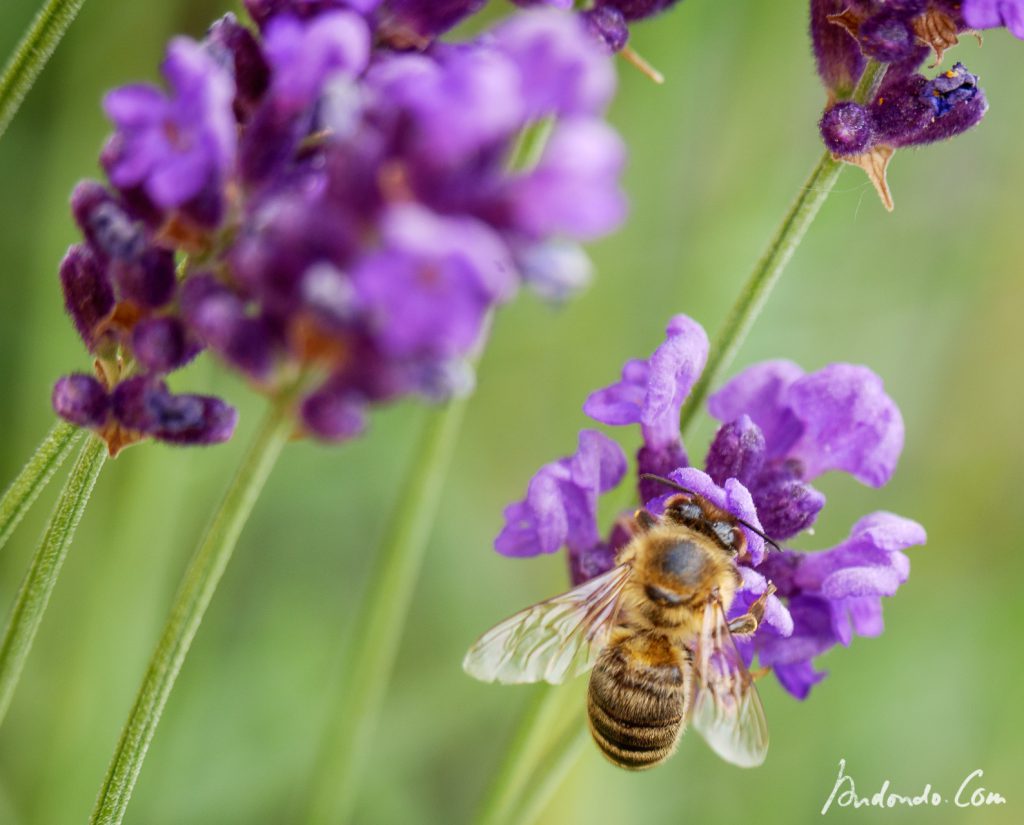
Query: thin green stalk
x=189, y=606
x=504, y=803
x=769, y=268
x=34, y=477
x=531, y=741
x=30, y=604
x=376, y=631
x=550, y=774
x=32, y=53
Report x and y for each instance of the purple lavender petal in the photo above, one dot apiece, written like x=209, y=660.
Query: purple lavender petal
x=798, y=678
x=174, y=147
x=562, y=69
x=776, y=616
x=849, y=424
x=469, y=101
x=574, y=189
x=669, y=376
x=302, y=55
x=760, y=393
x=989, y=14
x=621, y=403
x=429, y=290
x=560, y=507
x=82, y=400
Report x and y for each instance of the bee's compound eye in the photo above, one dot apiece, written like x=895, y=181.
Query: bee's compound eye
x=727, y=534
x=662, y=597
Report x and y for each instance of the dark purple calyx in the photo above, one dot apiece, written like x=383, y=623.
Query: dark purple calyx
x=887, y=36
x=846, y=128
x=82, y=400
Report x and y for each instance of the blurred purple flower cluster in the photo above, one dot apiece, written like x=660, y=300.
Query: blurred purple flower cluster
x=780, y=429
x=332, y=200
x=908, y=109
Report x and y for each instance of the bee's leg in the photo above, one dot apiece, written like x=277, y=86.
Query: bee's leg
x=746, y=624
x=760, y=673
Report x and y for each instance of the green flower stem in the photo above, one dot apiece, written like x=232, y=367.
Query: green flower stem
x=190, y=603
x=551, y=773
x=32, y=53
x=376, y=630
x=766, y=274
x=22, y=493
x=531, y=741
x=504, y=803
x=39, y=582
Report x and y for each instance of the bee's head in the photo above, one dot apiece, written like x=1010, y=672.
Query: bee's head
x=696, y=512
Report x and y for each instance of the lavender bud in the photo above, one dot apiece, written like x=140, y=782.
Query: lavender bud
x=901, y=110
x=149, y=281
x=786, y=505
x=839, y=58
x=658, y=462
x=609, y=26
x=736, y=452
x=415, y=23
x=637, y=9
x=161, y=344
x=846, y=128
x=82, y=400
x=146, y=406
x=109, y=229
x=333, y=416
x=88, y=296
x=218, y=318
x=887, y=36
x=244, y=58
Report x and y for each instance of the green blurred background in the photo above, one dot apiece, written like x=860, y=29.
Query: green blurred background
x=929, y=296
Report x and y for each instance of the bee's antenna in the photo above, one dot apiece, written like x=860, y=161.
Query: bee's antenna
x=676, y=486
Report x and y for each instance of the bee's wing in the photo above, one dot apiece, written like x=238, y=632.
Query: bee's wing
x=551, y=641
x=726, y=708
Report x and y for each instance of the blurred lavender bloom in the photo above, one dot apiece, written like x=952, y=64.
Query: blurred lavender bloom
x=146, y=406
x=88, y=294
x=370, y=223
x=174, y=147
x=990, y=14
x=302, y=55
x=82, y=400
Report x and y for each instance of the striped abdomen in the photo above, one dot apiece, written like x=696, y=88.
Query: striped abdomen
x=639, y=691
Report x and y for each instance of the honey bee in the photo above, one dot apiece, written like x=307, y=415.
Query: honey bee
x=653, y=631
